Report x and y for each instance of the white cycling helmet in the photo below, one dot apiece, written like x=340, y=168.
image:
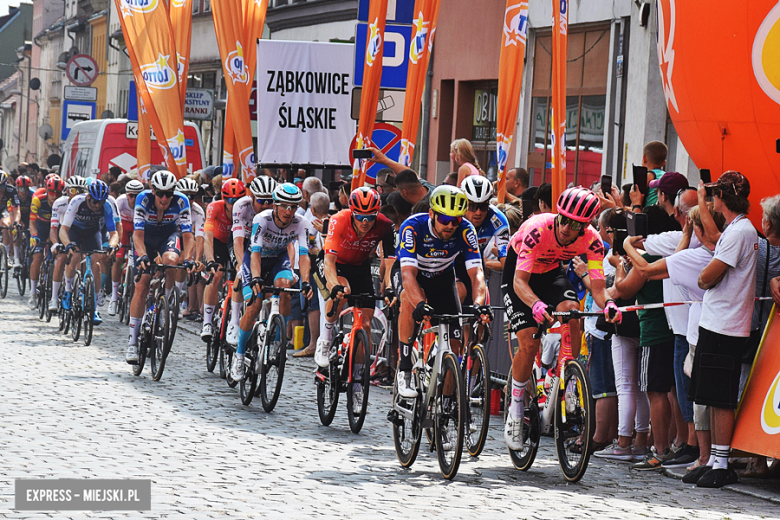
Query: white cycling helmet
x=477, y=188
x=163, y=180
x=76, y=181
x=3, y=177
x=187, y=186
x=287, y=193
x=262, y=187
x=134, y=187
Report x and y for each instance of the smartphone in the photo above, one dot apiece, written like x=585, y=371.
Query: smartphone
x=325, y=224
x=362, y=154
x=606, y=185
x=640, y=179
x=704, y=175
x=619, y=237
x=636, y=224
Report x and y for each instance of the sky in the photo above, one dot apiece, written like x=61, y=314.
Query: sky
x=5, y=3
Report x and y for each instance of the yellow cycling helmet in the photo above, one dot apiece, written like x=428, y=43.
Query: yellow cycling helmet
x=449, y=200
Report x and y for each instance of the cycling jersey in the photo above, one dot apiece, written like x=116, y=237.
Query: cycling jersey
x=538, y=249
x=495, y=225
x=80, y=215
x=176, y=217
x=218, y=221
x=58, y=210
x=125, y=210
x=24, y=205
x=243, y=213
x=40, y=192
x=9, y=197
x=40, y=216
x=198, y=220
x=269, y=240
x=419, y=247
x=342, y=239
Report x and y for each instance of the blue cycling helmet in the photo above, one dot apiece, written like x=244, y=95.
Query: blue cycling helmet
x=98, y=190
x=287, y=193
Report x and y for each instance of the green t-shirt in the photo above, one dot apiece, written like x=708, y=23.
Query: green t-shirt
x=653, y=327
x=652, y=195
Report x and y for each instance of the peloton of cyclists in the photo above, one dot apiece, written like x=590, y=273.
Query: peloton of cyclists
x=40, y=227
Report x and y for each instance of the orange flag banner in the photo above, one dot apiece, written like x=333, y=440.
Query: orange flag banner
x=558, y=122
x=510, y=79
x=372, y=76
x=229, y=27
x=426, y=14
x=149, y=38
x=228, y=145
x=144, y=144
x=180, y=12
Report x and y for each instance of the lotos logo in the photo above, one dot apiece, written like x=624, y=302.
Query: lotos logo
x=417, y=47
x=236, y=66
x=158, y=75
x=405, y=157
x=181, y=63
x=516, y=24
x=178, y=3
x=666, y=22
x=228, y=166
x=248, y=165
x=374, y=44
x=766, y=54
x=502, y=144
x=176, y=144
x=770, y=412
x=131, y=7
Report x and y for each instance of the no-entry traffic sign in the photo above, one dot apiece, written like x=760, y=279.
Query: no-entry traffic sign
x=82, y=70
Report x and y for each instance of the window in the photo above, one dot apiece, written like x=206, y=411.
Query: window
x=202, y=80
x=201, y=6
x=586, y=89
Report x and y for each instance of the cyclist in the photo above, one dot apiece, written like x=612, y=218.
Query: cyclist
x=40, y=227
x=217, y=246
x=274, y=232
x=534, y=283
x=73, y=186
x=192, y=190
x=80, y=229
x=424, y=276
x=161, y=225
x=101, y=262
x=259, y=199
x=125, y=205
x=9, y=214
x=343, y=266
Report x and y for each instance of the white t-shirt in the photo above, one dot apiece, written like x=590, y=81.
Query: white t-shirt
x=125, y=210
x=728, y=307
x=684, y=269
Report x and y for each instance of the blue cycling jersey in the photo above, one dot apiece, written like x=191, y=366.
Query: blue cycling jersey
x=419, y=247
x=494, y=225
x=80, y=215
x=175, y=218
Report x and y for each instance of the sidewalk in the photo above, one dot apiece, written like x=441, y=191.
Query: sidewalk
x=766, y=489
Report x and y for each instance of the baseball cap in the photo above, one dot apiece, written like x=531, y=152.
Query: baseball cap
x=670, y=182
x=733, y=183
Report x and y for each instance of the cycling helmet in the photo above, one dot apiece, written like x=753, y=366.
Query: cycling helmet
x=98, y=190
x=55, y=184
x=579, y=204
x=23, y=181
x=3, y=177
x=477, y=188
x=163, y=180
x=187, y=186
x=232, y=189
x=449, y=200
x=364, y=200
x=262, y=186
x=287, y=193
x=134, y=187
x=49, y=176
x=76, y=181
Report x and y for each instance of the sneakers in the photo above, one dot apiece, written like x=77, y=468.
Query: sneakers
x=321, y=354
x=304, y=352
x=615, y=452
x=639, y=452
x=32, y=303
x=684, y=457
x=693, y=476
x=206, y=332
x=112, y=307
x=237, y=369
x=405, y=383
x=513, y=433
x=652, y=461
x=53, y=305
x=717, y=478
x=132, y=354
x=232, y=334
x=96, y=319
x=67, y=300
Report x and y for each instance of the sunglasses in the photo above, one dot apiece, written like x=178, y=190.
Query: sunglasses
x=287, y=207
x=446, y=220
x=231, y=200
x=481, y=206
x=364, y=218
x=265, y=202
x=92, y=201
x=571, y=223
x=74, y=191
x=164, y=194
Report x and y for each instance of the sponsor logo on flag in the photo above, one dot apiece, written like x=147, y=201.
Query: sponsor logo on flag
x=159, y=75
x=516, y=24
x=374, y=44
x=131, y=7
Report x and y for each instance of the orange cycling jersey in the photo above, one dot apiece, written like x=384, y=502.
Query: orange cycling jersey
x=342, y=239
x=218, y=221
x=538, y=249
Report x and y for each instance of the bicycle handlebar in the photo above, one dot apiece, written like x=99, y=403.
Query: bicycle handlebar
x=276, y=291
x=352, y=299
x=565, y=317
x=155, y=268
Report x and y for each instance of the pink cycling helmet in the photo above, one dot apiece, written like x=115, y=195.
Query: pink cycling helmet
x=579, y=204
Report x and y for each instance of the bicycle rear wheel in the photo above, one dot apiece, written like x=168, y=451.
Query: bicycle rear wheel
x=75, y=308
x=40, y=293
x=48, y=293
x=173, y=304
x=127, y=294
x=21, y=279
x=449, y=416
x=62, y=315
x=212, y=349
x=89, y=308
x=3, y=272
x=159, y=341
x=248, y=385
x=523, y=459
x=575, y=422
x=406, y=430
x=143, y=349
x=273, y=361
x=327, y=381
x=357, y=391
x=477, y=400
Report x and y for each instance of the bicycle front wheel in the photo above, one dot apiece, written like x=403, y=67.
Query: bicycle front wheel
x=575, y=422
x=173, y=304
x=21, y=280
x=327, y=381
x=212, y=350
x=449, y=416
x=477, y=400
x=406, y=428
x=357, y=391
x=40, y=293
x=248, y=385
x=48, y=293
x=3, y=272
x=127, y=294
x=159, y=341
x=273, y=360
x=75, y=308
x=523, y=459
x=89, y=308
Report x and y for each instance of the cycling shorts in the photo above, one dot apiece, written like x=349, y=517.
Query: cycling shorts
x=358, y=278
x=222, y=253
x=169, y=244
x=271, y=269
x=42, y=230
x=86, y=240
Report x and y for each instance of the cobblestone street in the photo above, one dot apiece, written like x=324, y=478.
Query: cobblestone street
x=71, y=411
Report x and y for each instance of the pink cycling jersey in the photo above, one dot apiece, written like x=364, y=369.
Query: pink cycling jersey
x=538, y=250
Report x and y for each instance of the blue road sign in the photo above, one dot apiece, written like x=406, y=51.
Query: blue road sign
x=398, y=11
x=75, y=112
x=395, y=60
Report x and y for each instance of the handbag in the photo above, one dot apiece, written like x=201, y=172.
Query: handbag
x=751, y=347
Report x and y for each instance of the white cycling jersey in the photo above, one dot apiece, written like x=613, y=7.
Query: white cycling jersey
x=124, y=207
x=270, y=241
x=58, y=210
x=243, y=214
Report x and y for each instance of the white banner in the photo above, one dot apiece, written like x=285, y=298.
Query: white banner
x=303, y=102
